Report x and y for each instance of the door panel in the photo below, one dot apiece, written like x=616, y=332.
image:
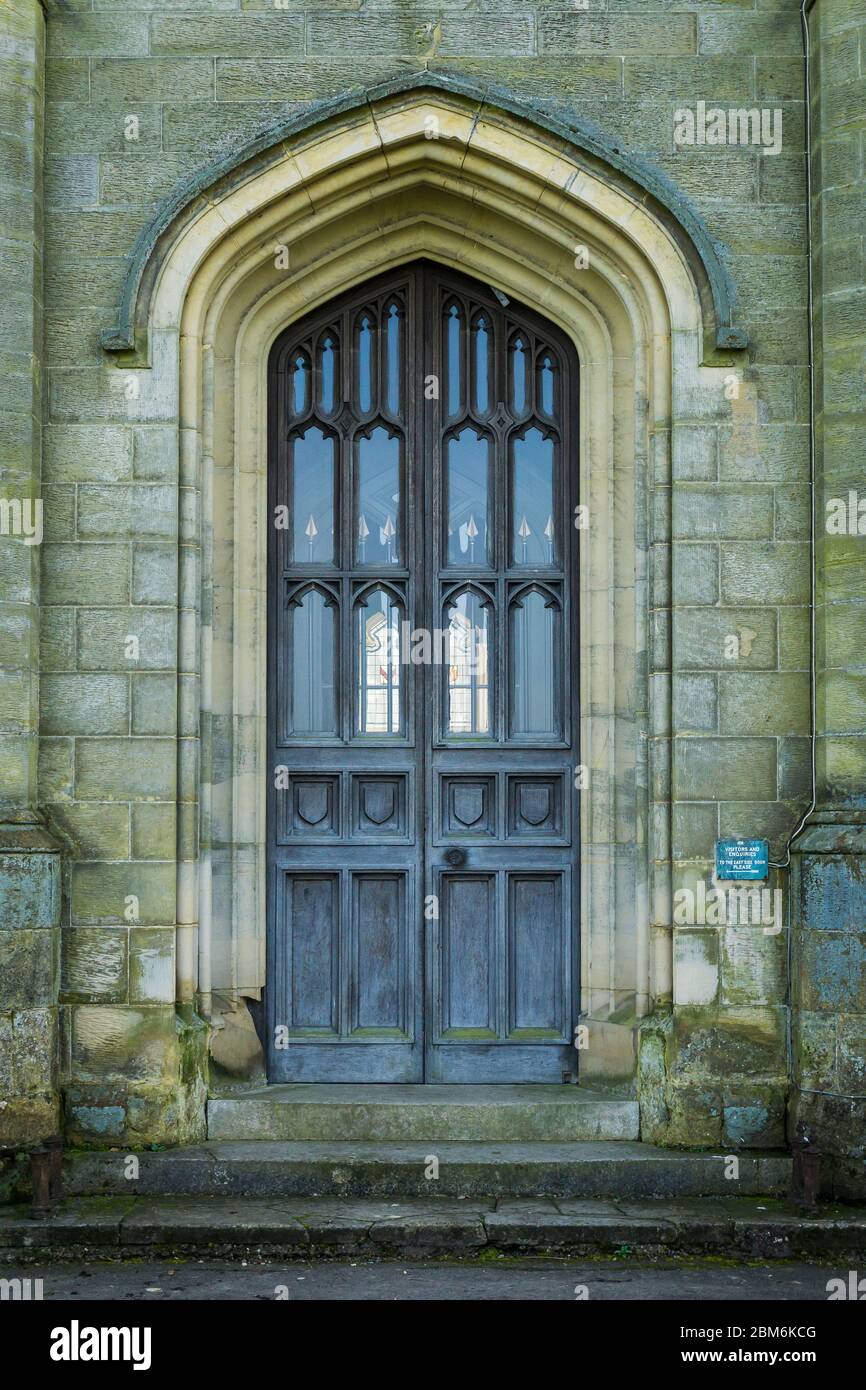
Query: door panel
x=421, y=678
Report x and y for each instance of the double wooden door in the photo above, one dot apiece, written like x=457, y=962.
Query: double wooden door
x=422, y=645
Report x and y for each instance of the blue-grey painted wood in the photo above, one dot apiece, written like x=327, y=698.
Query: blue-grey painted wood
x=423, y=870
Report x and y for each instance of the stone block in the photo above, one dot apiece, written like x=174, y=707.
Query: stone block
x=722, y=513
x=752, y=965
x=104, y=634
x=80, y=704
x=151, y=965
x=154, y=830
x=696, y=966
x=695, y=704
x=135, y=892
x=154, y=704
x=230, y=35
x=757, y=702
x=28, y=969
x=724, y=769
x=702, y=638
x=125, y=769
x=694, y=829
x=29, y=891
x=97, y=453
x=770, y=573
x=833, y=971
x=85, y=573
x=97, y=830
x=95, y=965
x=154, y=574
x=139, y=511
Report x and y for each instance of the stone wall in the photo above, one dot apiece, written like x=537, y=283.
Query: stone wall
x=143, y=93
x=828, y=1109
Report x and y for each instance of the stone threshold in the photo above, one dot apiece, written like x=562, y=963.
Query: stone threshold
x=122, y=1228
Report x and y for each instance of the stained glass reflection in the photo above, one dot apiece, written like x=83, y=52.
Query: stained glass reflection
x=533, y=638
x=468, y=481
x=312, y=465
x=378, y=664
x=313, y=705
x=469, y=665
x=377, y=516
x=328, y=374
x=392, y=356
x=453, y=336
x=366, y=331
x=533, y=529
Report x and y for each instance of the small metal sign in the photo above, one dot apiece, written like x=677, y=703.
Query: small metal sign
x=742, y=859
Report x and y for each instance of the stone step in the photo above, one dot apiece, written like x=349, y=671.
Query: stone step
x=264, y=1229
x=269, y=1168
x=423, y=1114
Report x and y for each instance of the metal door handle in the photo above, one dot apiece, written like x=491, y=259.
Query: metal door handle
x=455, y=857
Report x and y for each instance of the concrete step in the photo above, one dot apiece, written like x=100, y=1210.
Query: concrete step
x=423, y=1114
x=268, y=1168
x=267, y=1229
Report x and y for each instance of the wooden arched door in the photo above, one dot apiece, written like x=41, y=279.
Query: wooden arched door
x=422, y=689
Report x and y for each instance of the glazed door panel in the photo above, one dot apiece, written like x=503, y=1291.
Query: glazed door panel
x=422, y=662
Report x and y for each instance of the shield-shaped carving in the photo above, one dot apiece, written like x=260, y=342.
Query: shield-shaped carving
x=533, y=800
x=313, y=801
x=377, y=799
x=468, y=803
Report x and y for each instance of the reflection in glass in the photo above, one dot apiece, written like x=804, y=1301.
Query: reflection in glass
x=392, y=334
x=299, y=388
x=377, y=526
x=468, y=473
x=365, y=363
x=532, y=526
x=313, y=710
x=533, y=637
x=311, y=464
x=454, y=322
x=481, y=364
x=378, y=664
x=468, y=664
x=327, y=374
x=546, y=382
x=518, y=376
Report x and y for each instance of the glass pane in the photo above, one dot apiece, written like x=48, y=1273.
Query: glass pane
x=454, y=334
x=468, y=472
x=377, y=530
x=299, y=383
x=378, y=664
x=518, y=376
x=469, y=663
x=532, y=524
x=546, y=384
x=533, y=665
x=313, y=710
x=366, y=331
x=312, y=479
x=328, y=374
x=392, y=334
x=481, y=364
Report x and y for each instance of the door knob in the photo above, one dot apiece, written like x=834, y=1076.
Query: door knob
x=455, y=857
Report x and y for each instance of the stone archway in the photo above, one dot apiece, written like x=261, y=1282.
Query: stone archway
x=431, y=169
